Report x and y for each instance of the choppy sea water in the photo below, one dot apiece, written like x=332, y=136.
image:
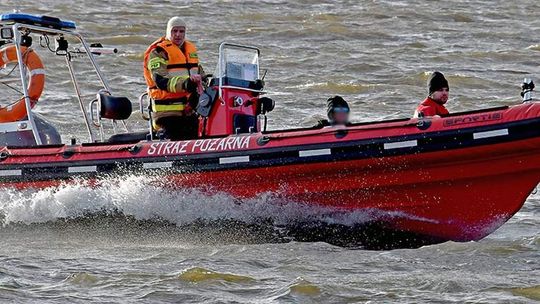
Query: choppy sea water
x=127, y=241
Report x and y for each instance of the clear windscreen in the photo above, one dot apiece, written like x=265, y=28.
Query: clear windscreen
x=239, y=63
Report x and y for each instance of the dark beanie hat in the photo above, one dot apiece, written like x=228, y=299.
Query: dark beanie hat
x=336, y=102
x=436, y=82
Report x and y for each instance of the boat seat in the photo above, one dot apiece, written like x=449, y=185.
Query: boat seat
x=127, y=138
x=113, y=107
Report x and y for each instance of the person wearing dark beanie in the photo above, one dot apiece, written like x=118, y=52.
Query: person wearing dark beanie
x=438, y=90
x=337, y=110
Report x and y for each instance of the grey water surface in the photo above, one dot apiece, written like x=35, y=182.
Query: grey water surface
x=127, y=241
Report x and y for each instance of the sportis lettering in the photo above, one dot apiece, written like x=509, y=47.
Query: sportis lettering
x=449, y=122
x=199, y=145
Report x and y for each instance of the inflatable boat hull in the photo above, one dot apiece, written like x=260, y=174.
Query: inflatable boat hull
x=454, y=178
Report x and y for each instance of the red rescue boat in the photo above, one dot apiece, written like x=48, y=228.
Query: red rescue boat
x=457, y=178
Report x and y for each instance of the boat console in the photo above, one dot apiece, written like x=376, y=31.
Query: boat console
x=238, y=87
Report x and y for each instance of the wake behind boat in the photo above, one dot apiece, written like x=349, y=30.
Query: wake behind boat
x=457, y=177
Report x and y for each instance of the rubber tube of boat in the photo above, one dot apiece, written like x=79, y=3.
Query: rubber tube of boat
x=103, y=50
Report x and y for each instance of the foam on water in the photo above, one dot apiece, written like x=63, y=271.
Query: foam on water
x=140, y=206
x=143, y=198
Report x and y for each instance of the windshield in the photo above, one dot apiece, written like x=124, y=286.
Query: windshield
x=239, y=63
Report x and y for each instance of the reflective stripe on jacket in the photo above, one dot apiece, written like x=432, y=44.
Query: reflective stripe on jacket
x=173, y=67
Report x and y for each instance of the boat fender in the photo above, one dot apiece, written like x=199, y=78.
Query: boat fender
x=36, y=71
x=68, y=153
x=423, y=122
x=4, y=155
x=263, y=140
x=341, y=133
x=135, y=149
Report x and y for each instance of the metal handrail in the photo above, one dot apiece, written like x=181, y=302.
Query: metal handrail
x=245, y=89
x=22, y=70
x=146, y=115
x=141, y=106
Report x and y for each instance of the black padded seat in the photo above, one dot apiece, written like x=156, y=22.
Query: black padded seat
x=128, y=138
x=113, y=107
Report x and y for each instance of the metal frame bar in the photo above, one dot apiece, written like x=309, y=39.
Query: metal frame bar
x=95, y=106
x=15, y=126
x=220, y=58
x=149, y=118
x=22, y=70
x=79, y=97
x=245, y=89
x=17, y=28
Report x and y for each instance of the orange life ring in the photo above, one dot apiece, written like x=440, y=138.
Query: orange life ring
x=35, y=69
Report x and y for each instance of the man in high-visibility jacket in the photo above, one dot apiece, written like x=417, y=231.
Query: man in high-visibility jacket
x=173, y=75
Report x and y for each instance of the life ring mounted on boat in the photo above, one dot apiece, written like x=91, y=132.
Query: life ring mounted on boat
x=17, y=111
